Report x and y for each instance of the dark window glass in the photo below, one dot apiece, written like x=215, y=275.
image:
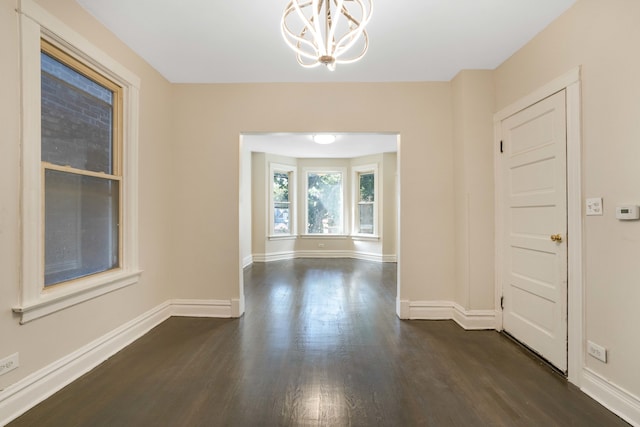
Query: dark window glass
x=81, y=225
x=77, y=119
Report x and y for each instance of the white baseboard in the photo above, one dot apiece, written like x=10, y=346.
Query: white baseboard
x=402, y=308
x=286, y=255
x=274, y=256
x=324, y=254
x=33, y=389
x=447, y=310
x=369, y=256
x=611, y=396
x=247, y=261
x=201, y=308
x=389, y=258
x=237, y=307
x=430, y=310
x=474, y=319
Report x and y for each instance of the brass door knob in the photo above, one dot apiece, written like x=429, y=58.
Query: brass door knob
x=556, y=238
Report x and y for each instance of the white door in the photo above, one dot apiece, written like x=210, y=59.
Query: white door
x=535, y=222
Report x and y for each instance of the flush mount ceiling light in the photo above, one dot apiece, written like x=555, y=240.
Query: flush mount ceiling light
x=324, y=138
x=324, y=31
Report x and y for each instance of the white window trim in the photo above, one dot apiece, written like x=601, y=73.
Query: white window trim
x=293, y=171
x=345, y=211
x=355, y=196
x=325, y=236
x=35, y=301
x=365, y=237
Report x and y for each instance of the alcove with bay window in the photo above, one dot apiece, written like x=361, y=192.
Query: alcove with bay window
x=321, y=207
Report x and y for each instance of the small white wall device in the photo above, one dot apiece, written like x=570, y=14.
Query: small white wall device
x=627, y=212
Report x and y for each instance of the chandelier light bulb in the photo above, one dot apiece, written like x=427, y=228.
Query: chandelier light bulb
x=327, y=32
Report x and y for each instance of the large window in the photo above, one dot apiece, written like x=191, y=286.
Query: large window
x=79, y=142
x=325, y=206
x=282, y=218
x=365, y=216
x=80, y=146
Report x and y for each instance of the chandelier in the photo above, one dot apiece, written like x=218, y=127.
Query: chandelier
x=325, y=31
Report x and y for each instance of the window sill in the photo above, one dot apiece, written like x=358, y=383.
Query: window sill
x=284, y=237
x=324, y=236
x=367, y=237
x=54, y=300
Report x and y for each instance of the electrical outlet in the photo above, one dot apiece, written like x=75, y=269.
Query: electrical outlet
x=597, y=351
x=9, y=363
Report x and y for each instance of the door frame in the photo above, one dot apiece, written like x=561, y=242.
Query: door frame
x=575, y=285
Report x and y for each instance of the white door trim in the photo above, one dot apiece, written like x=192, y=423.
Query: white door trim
x=575, y=294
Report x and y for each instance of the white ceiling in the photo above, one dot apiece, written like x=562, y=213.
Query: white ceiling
x=239, y=41
x=347, y=145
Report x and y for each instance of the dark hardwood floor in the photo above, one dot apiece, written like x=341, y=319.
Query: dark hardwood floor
x=320, y=344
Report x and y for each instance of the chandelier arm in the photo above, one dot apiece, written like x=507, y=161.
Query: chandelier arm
x=296, y=46
x=354, y=36
x=312, y=60
x=350, y=17
x=289, y=35
x=301, y=62
x=365, y=48
x=321, y=39
x=334, y=24
x=366, y=13
x=316, y=6
x=314, y=29
x=347, y=41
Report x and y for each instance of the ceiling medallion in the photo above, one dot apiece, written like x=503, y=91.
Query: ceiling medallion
x=328, y=32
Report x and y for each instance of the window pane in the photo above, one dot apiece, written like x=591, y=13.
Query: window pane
x=366, y=218
x=281, y=187
x=77, y=119
x=81, y=226
x=324, y=201
x=281, y=218
x=281, y=203
x=366, y=187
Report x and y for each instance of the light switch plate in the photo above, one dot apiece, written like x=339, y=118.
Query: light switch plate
x=594, y=206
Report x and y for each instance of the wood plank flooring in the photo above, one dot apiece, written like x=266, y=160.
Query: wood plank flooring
x=320, y=344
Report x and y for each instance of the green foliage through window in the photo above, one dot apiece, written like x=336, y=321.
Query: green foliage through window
x=367, y=187
x=366, y=198
x=281, y=204
x=324, y=199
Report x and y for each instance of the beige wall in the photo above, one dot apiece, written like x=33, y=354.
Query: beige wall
x=390, y=201
x=9, y=184
x=603, y=38
x=189, y=185
x=246, y=206
x=257, y=222
x=209, y=120
x=45, y=340
x=190, y=160
x=473, y=107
